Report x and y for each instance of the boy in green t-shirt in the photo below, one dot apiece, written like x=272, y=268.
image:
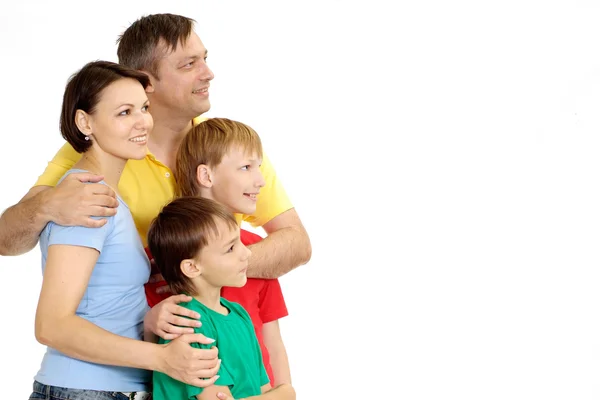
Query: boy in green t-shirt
x=196, y=246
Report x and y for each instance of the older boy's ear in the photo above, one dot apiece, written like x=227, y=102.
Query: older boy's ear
x=82, y=120
x=204, y=175
x=190, y=268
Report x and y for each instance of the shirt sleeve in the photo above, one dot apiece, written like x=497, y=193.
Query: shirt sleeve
x=272, y=200
x=82, y=236
x=225, y=378
x=61, y=163
x=271, y=304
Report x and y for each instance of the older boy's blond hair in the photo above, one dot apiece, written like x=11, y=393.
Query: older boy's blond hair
x=207, y=143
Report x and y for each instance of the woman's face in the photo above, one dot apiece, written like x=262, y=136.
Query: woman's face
x=121, y=122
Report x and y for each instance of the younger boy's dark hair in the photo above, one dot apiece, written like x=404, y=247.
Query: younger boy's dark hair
x=180, y=231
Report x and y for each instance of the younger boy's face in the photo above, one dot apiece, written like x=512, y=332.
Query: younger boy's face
x=224, y=261
x=237, y=181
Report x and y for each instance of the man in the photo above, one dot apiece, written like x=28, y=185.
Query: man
x=165, y=47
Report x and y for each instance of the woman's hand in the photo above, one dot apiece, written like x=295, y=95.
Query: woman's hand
x=168, y=320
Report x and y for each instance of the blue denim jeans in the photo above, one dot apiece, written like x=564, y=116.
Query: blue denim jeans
x=46, y=392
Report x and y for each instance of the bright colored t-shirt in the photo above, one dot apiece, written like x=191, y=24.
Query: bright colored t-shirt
x=147, y=185
x=113, y=300
x=262, y=299
x=241, y=361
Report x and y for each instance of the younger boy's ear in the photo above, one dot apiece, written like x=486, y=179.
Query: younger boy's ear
x=190, y=268
x=204, y=175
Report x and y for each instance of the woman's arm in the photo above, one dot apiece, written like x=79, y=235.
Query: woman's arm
x=279, y=359
x=68, y=270
x=67, y=273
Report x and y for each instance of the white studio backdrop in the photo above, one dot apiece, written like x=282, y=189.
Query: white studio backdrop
x=442, y=155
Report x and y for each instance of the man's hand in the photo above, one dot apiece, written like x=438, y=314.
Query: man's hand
x=72, y=202
x=168, y=320
x=197, y=367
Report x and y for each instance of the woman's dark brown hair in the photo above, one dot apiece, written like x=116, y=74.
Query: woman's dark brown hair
x=83, y=93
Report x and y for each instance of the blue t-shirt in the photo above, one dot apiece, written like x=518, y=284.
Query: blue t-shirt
x=114, y=300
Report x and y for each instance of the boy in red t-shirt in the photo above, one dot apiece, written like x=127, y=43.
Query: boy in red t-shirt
x=219, y=159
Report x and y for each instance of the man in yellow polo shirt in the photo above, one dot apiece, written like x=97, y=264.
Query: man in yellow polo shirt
x=166, y=47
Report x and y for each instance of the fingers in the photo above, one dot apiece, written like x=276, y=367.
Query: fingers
x=103, y=200
x=180, y=298
x=200, y=338
x=85, y=177
x=183, y=322
x=100, y=189
x=207, y=373
x=204, y=382
x=97, y=211
x=94, y=223
x=184, y=312
x=171, y=329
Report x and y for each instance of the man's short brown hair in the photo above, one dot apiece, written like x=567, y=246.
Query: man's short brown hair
x=139, y=47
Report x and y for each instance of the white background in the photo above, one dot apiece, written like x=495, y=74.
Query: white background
x=443, y=157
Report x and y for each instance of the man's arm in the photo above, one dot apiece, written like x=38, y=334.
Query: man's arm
x=21, y=224
x=286, y=246
x=70, y=203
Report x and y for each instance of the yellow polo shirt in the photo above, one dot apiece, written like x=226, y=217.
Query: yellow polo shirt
x=147, y=185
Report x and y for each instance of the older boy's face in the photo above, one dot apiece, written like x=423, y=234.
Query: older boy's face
x=224, y=261
x=237, y=181
x=181, y=87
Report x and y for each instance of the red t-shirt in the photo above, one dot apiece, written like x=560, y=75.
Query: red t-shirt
x=261, y=298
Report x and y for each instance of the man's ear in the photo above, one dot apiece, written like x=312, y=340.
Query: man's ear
x=150, y=87
x=83, y=122
x=190, y=268
x=204, y=175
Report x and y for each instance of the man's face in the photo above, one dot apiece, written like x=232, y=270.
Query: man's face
x=181, y=87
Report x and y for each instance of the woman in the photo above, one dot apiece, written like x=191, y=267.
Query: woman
x=92, y=303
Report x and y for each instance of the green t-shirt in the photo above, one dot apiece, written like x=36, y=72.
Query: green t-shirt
x=242, y=368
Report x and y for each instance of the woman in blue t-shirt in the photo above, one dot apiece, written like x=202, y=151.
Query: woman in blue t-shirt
x=92, y=303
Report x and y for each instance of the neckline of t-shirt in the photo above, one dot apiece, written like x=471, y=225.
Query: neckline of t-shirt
x=216, y=313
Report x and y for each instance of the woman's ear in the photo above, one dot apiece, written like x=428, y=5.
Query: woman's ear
x=83, y=122
x=190, y=268
x=204, y=175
